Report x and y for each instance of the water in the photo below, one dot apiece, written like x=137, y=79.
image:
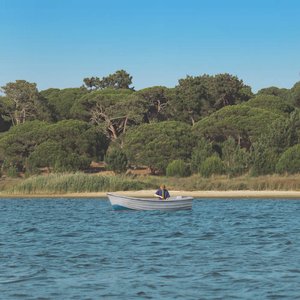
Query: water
x=81, y=249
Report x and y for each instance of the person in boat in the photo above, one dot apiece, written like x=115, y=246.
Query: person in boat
x=162, y=193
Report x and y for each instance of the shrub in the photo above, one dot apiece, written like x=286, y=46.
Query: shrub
x=116, y=160
x=212, y=166
x=263, y=159
x=178, y=168
x=235, y=158
x=12, y=172
x=201, y=152
x=289, y=161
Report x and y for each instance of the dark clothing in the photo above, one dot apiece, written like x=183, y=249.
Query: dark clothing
x=163, y=193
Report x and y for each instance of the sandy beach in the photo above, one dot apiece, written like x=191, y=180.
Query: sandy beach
x=149, y=193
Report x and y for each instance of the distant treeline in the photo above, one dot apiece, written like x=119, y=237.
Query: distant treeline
x=204, y=125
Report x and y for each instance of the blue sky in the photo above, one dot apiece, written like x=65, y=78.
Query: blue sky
x=56, y=43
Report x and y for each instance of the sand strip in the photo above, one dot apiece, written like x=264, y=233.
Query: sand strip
x=149, y=193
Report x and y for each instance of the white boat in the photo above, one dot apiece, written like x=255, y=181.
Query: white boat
x=173, y=203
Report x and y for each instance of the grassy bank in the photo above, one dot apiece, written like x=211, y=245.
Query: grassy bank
x=81, y=183
x=224, y=183
x=72, y=183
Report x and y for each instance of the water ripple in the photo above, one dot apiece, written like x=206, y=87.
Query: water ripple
x=81, y=249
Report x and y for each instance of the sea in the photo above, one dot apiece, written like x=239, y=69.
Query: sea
x=82, y=249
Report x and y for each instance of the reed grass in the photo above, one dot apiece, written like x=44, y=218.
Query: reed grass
x=75, y=183
x=225, y=183
x=80, y=183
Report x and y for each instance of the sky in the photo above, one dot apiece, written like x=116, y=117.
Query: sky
x=57, y=43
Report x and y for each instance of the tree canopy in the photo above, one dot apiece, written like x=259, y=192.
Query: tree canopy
x=207, y=124
x=158, y=144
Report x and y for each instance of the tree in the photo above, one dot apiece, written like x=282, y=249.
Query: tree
x=17, y=143
x=200, y=153
x=178, y=168
x=5, y=119
x=191, y=99
x=116, y=160
x=284, y=94
x=289, y=161
x=236, y=159
x=92, y=83
x=112, y=110
x=157, y=98
x=271, y=103
x=71, y=144
x=212, y=166
x=295, y=90
x=23, y=102
x=199, y=96
x=244, y=124
x=157, y=144
x=262, y=159
x=118, y=80
x=62, y=101
x=229, y=90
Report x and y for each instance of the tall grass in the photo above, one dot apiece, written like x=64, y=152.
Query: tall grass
x=224, y=183
x=75, y=183
x=80, y=183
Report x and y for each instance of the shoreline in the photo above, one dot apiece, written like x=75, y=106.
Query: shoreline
x=149, y=194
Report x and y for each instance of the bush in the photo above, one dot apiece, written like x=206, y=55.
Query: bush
x=212, y=166
x=236, y=159
x=200, y=153
x=263, y=159
x=12, y=172
x=51, y=154
x=289, y=161
x=116, y=160
x=178, y=168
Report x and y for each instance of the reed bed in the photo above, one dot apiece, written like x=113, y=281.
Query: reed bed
x=75, y=183
x=81, y=183
x=224, y=183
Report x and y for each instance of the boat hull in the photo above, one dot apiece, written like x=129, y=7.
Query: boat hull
x=119, y=202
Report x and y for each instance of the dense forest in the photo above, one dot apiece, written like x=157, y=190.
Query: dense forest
x=205, y=125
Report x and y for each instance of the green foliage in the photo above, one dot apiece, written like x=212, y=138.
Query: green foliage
x=201, y=152
x=178, y=168
x=236, y=159
x=152, y=124
x=157, y=144
x=229, y=90
x=117, y=160
x=157, y=98
x=191, y=99
x=294, y=128
x=62, y=101
x=262, y=159
x=212, y=166
x=24, y=103
x=295, y=91
x=289, y=161
x=119, y=80
x=67, y=145
x=244, y=124
x=17, y=144
x=284, y=94
x=113, y=110
x=271, y=103
x=62, y=183
x=196, y=97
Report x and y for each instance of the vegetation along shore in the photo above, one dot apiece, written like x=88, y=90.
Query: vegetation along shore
x=208, y=133
x=86, y=185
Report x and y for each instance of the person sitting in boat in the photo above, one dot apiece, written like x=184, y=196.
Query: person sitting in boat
x=162, y=193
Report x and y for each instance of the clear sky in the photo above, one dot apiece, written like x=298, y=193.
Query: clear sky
x=56, y=43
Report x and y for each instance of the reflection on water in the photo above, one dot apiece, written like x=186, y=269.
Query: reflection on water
x=81, y=249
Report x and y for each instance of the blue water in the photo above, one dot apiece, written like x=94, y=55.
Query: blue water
x=81, y=249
